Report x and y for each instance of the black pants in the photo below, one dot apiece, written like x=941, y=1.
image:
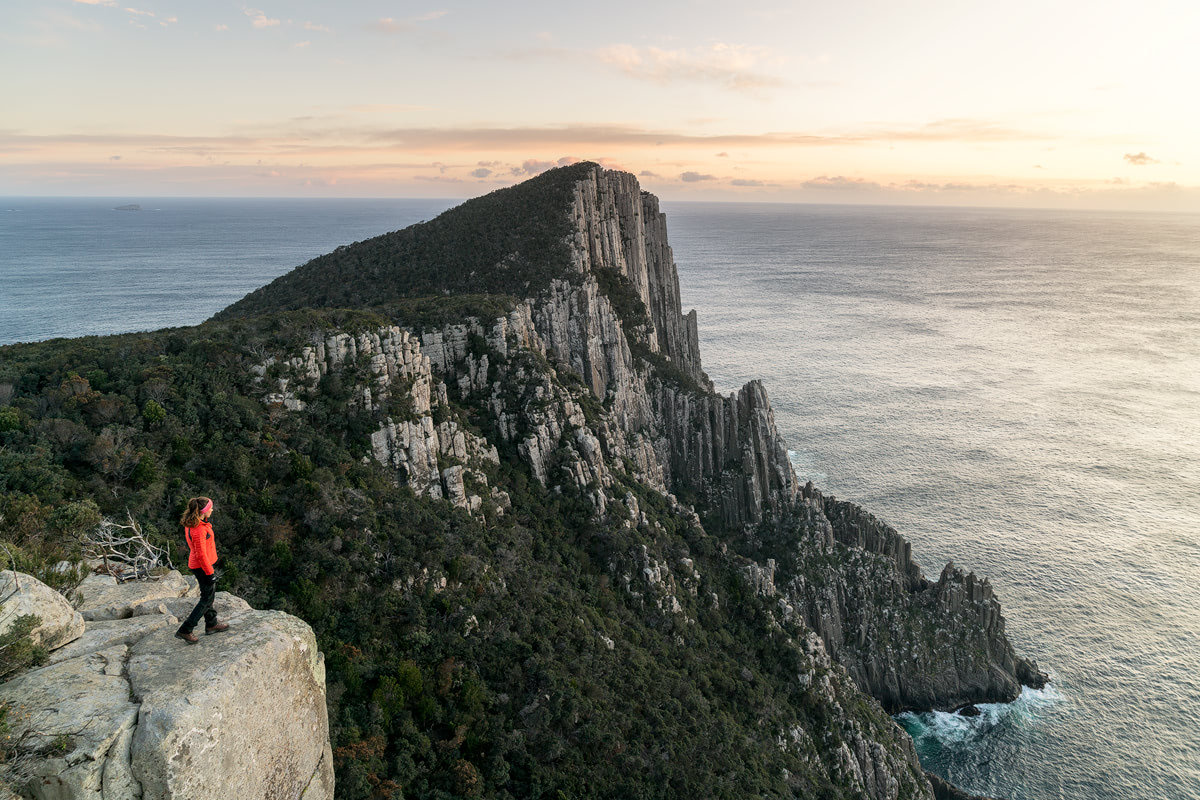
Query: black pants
x=208, y=590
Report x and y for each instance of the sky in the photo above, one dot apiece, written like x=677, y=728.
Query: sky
x=1046, y=103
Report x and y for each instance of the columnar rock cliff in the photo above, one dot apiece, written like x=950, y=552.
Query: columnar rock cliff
x=909, y=642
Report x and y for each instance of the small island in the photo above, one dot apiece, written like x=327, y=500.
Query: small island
x=130, y=207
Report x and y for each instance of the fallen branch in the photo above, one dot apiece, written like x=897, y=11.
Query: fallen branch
x=126, y=552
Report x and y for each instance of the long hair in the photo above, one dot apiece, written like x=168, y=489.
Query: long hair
x=191, y=517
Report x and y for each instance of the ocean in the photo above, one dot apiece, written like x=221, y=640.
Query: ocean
x=1016, y=391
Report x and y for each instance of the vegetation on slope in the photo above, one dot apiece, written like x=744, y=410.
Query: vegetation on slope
x=465, y=658
x=512, y=241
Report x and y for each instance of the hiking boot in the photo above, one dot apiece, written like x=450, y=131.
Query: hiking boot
x=190, y=638
x=220, y=626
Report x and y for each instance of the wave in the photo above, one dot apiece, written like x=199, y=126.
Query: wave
x=937, y=729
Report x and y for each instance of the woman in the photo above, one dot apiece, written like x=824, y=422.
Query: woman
x=202, y=557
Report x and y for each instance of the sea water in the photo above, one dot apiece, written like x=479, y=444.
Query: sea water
x=80, y=266
x=1017, y=391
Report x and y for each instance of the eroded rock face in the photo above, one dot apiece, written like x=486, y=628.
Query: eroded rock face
x=240, y=715
x=76, y=713
x=129, y=711
x=908, y=642
x=21, y=595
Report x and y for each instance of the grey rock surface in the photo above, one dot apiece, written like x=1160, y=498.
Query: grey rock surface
x=227, y=605
x=101, y=597
x=242, y=714
x=103, y=634
x=22, y=595
x=129, y=711
x=74, y=713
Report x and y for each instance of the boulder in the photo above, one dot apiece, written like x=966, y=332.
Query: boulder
x=101, y=597
x=206, y=727
x=226, y=604
x=75, y=713
x=129, y=711
x=22, y=594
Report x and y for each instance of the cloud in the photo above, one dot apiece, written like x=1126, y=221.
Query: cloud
x=648, y=174
x=97, y=2
x=1140, y=159
x=343, y=132
x=114, y=158
x=390, y=25
x=301, y=45
x=221, y=27
x=731, y=66
x=313, y=26
x=258, y=19
x=482, y=172
x=533, y=166
x=384, y=108
x=955, y=129
x=437, y=178
x=695, y=177
x=839, y=182
x=745, y=182
x=138, y=12
x=722, y=155
x=584, y=135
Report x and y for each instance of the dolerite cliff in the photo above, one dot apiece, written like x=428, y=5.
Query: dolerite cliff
x=595, y=378
x=543, y=556
x=122, y=709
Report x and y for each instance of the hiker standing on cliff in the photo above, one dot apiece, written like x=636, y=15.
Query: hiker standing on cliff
x=201, y=561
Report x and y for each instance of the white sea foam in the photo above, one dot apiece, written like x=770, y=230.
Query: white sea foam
x=948, y=728
x=804, y=467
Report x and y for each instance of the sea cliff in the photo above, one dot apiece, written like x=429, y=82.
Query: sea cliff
x=482, y=457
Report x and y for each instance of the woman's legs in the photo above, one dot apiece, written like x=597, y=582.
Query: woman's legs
x=204, y=608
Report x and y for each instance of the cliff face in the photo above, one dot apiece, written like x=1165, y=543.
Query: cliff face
x=909, y=642
x=644, y=410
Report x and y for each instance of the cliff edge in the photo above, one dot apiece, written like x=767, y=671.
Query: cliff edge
x=126, y=710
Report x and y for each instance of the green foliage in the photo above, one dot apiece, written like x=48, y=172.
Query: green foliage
x=17, y=649
x=153, y=413
x=510, y=242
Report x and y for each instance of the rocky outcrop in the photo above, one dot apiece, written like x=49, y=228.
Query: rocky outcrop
x=908, y=642
x=126, y=710
x=944, y=790
x=23, y=595
x=591, y=392
x=620, y=227
x=669, y=429
x=101, y=597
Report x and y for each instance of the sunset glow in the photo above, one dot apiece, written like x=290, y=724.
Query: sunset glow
x=1026, y=103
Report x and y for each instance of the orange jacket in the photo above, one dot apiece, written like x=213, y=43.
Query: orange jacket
x=203, y=547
